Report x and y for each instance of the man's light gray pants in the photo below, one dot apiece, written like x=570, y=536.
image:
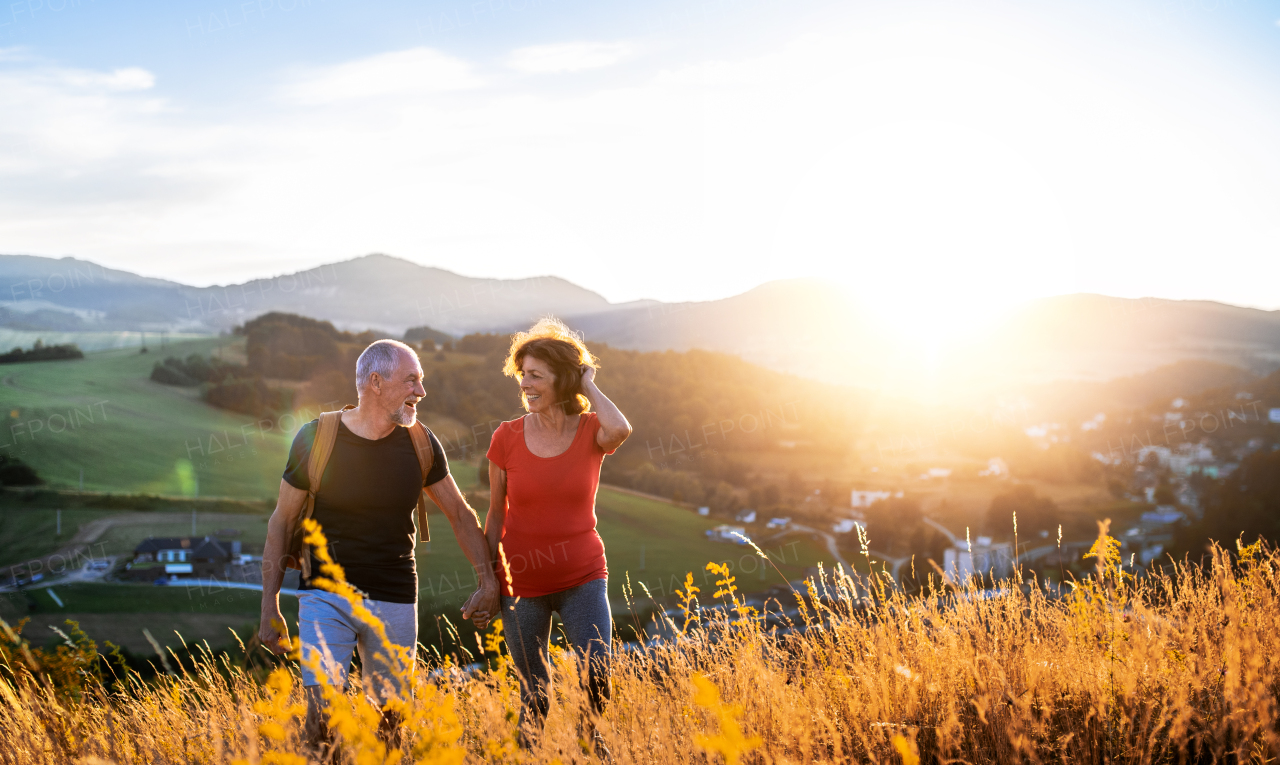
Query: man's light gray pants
x=328, y=628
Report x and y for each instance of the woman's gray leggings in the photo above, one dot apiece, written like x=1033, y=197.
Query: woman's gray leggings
x=526, y=627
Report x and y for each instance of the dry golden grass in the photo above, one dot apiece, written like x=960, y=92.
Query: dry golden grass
x=1172, y=668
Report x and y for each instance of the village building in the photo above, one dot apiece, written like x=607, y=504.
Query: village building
x=190, y=557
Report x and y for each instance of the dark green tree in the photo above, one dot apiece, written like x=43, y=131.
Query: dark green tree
x=1245, y=504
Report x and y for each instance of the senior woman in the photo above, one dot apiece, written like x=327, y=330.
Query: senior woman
x=544, y=469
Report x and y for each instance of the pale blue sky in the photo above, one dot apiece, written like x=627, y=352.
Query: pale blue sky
x=942, y=155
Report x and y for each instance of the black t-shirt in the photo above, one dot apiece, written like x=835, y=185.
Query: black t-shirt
x=365, y=506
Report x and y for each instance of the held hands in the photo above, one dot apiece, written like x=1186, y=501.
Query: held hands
x=482, y=606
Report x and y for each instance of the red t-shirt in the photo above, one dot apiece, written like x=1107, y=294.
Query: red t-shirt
x=549, y=535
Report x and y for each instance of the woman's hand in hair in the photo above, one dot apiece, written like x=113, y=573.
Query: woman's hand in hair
x=614, y=427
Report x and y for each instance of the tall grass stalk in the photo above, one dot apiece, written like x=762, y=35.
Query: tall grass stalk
x=1173, y=667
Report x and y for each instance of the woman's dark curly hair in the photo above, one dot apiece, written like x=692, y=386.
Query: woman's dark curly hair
x=554, y=344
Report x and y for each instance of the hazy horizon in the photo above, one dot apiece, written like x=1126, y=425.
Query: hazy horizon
x=571, y=280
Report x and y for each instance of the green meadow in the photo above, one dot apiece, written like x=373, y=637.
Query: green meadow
x=27, y=534
x=647, y=541
x=102, y=416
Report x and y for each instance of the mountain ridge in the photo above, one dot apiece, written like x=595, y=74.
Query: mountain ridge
x=802, y=326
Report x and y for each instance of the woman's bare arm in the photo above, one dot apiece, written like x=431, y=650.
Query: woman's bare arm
x=614, y=428
x=497, y=509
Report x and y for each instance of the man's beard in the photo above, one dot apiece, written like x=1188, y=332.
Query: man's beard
x=405, y=416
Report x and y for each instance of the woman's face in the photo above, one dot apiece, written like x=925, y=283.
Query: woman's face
x=537, y=385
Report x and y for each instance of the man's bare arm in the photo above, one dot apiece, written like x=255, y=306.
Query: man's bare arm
x=272, y=630
x=484, y=603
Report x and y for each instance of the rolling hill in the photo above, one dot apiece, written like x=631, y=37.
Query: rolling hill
x=374, y=291
x=801, y=326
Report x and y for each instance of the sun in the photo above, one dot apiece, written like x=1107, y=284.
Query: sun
x=935, y=228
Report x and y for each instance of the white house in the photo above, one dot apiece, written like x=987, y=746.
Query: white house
x=745, y=516
x=1162, y=516
x=844, y=525
x=996, y=467
x=778, y=523
x=704, y=511
x=960, y=561
x=1273, y=415
x=986, y=558
x=1197, y=452
x=868, y=498
x=725, y=533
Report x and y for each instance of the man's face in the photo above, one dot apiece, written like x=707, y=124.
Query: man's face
x=399, y=395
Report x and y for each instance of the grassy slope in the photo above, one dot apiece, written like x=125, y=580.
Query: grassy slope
x=28, y=534
x=119, y=613
x=125, y=538
x=94, y=598
x=672, y=537
x=139, y=431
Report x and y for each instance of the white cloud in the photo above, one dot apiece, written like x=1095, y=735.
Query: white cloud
x=61, y=123
x=130, y=78
x=568, y=57
x=417, y=71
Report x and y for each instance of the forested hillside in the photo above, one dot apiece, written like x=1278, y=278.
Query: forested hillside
x=682, y=404
x=678, y=403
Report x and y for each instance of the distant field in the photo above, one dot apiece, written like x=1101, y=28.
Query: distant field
x=103, y=415
x=87, y=341
x=124, y=538
x=28, y=534
x=125, y=630
x=96, y=598
x=673, y=541
x=119, y=613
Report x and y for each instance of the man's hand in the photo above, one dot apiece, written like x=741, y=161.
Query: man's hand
x=482, y=606
x=274, y=633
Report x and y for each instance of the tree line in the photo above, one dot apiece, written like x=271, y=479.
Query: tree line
x=41, y=352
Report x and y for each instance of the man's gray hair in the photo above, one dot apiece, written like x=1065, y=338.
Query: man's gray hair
x=381, y=356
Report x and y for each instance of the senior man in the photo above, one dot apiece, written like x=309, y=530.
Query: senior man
x=365, y=503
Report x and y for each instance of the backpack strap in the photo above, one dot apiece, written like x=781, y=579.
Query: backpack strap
x=426, y=461
x=321, y=451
